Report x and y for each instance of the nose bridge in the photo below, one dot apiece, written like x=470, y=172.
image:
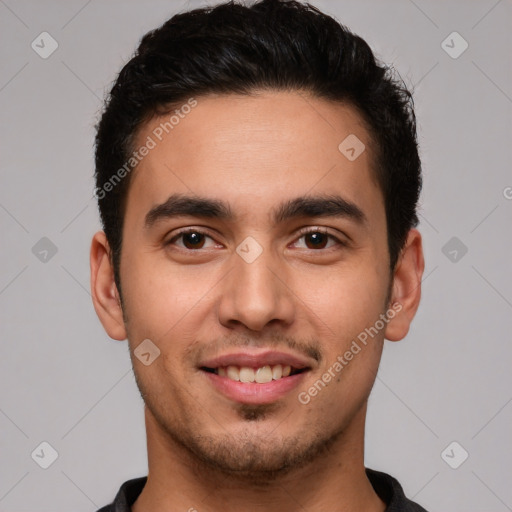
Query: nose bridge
x=254, y=295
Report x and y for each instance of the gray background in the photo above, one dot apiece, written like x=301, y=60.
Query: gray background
x=65, y=382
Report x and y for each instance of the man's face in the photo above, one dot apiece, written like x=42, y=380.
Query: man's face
x=247, y=286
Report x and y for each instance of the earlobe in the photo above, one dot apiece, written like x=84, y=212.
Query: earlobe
x=406, y=288
x=104, y=291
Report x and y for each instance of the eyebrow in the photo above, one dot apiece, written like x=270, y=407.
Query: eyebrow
x=179, y=205
x=319, y=206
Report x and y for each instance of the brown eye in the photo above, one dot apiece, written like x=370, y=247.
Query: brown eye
x=193, y=240
x=316, y=240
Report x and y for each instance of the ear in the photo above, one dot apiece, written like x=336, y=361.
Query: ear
x=406, y=287
x=105, y=296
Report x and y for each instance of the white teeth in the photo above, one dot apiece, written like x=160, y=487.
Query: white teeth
x=233, y=373
x=263, y=374
x=260, y=375
x=246, y=374
x=277, y=372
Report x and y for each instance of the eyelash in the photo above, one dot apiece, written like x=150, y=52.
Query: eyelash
x=302, y=232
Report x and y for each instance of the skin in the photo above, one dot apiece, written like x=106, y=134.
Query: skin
x=206, y=451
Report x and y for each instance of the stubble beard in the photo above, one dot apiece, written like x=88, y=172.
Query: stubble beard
x=245, y=457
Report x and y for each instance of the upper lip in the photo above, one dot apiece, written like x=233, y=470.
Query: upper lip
x=257, y=360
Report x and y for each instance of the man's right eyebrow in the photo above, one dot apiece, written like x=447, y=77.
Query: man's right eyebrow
x=178, y=205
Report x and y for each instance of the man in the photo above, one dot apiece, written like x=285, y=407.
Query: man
x=257, y=178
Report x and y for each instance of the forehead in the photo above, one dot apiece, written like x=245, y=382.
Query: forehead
x=262, y=147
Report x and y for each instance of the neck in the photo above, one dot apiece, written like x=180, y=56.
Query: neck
x=335, y=481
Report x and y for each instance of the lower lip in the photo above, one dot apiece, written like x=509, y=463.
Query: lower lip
x=252, y=392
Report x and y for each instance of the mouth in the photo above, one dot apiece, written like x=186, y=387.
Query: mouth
x=255, y=378
x=261, y=375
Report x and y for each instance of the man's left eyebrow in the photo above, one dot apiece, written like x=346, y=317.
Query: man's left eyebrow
x=320, y=206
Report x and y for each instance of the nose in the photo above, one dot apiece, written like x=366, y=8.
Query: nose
x=255, y=295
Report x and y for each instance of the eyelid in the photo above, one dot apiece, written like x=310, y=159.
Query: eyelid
x=314, y=229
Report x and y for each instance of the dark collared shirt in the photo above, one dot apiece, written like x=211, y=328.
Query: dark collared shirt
x=387, y=487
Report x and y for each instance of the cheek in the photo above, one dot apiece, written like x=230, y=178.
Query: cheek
x=346, y=299
x=344, y=308
x=171, y=306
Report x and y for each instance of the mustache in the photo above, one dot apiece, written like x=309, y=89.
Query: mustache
x=198, y=350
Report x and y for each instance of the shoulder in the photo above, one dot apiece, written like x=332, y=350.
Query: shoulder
x=390, y=491
x=126, y=496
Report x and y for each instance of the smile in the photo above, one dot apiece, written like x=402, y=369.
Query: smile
x=261, y=375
